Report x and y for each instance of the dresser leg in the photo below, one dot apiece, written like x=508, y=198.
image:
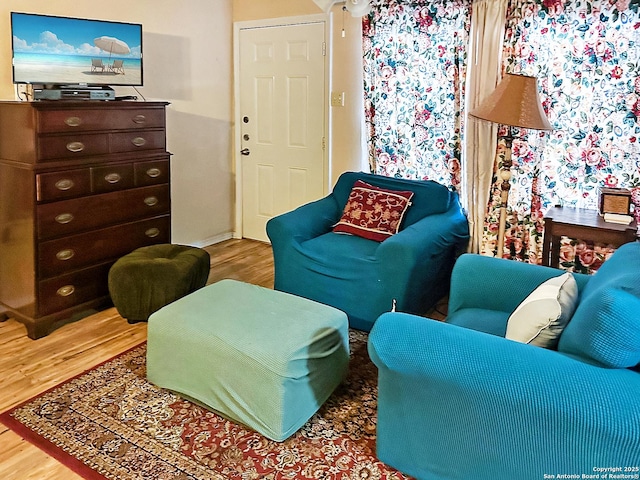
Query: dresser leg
x=36, y=330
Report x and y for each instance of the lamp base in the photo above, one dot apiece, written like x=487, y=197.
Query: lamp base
x=505, y=175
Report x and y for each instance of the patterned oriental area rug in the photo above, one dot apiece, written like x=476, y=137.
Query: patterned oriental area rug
x=109, y=422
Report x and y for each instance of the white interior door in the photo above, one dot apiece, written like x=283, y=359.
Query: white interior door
x=282, y=121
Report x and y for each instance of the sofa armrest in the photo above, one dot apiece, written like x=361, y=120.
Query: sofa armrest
x=478, y=281
x=308, y=221
x=420, y=346
x=447, y=391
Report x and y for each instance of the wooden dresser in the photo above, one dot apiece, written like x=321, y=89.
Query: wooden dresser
x=81, y=184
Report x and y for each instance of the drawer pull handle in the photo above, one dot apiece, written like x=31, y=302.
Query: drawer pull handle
x=73, y=121
x=64, y=218
x=139, y=141
x=154, y=172
x=75, y=147
x=66, y=290
x=65, y=254
x=139, y=119
x=152, y=232
x=64, y=184
x=112, y=178
x=151, y=201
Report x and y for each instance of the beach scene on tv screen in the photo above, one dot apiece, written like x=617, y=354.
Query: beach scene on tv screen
x=57, y=50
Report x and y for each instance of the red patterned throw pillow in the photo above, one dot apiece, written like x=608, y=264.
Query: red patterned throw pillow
x=373, y=212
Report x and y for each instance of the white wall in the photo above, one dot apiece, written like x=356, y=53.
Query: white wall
x=188, y=62
x=348, y=146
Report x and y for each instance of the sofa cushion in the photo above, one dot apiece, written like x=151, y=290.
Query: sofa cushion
x=372, y=212
x=605, y=328
x=542, y=316
x=345, y=251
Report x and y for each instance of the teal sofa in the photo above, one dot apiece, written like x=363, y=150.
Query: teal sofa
x=459, y=401
x=364, y=277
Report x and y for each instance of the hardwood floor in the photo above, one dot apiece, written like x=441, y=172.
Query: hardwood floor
x=246, y=260
x=29, y=367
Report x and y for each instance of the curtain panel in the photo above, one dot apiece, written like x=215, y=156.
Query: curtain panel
x=415, y=64
x=487, y=36
x=586, y=56
x=426, y=62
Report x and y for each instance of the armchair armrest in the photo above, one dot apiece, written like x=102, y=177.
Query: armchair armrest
x=428, y=237
x=305, y=222
x=498, y=284
x=416, y=262
x=446, y=393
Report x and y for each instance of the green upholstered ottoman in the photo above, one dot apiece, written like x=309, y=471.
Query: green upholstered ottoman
x=259, y=357
x=149, y=278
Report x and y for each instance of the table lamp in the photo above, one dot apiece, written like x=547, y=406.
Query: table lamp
x=514, y=103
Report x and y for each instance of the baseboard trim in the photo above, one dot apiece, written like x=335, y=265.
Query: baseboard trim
x=213, y=240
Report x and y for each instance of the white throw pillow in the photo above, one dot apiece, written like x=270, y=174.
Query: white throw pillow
x=541, y=317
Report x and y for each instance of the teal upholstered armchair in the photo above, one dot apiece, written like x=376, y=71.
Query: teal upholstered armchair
x=364, y=277
x=458, y=401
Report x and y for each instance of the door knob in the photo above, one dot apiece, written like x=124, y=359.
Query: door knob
x=245, y=151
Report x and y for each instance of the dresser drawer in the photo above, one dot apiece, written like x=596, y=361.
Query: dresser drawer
x=137, y=141
x=63, y=255
x=79, y=120
x=151, y=173
x=138, y=118
x=70, y=146
x=57, y=185
x=82, y=119
x=81, y=214
x=65, y=291
x=110, y=178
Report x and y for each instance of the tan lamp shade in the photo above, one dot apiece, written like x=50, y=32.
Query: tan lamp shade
x=514, y=102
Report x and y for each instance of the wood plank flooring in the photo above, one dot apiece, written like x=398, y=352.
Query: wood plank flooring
x=29, y=367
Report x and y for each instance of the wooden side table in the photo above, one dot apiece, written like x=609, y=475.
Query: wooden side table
x=583, y=224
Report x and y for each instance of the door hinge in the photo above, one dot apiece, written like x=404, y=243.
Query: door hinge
x=324, y=143
x=324, y=49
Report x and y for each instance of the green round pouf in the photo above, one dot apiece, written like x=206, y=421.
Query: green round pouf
x=149, y=278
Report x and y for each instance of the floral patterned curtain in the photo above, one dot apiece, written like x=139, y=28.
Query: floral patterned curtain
x=586, y=56
x=415, y=55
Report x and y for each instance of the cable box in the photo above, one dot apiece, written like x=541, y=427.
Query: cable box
x=69, y=92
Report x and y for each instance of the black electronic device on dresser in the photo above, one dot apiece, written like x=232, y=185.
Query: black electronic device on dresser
x=81, y=184
x=73, y=92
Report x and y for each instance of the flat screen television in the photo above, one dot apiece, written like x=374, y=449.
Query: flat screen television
x=53, y=50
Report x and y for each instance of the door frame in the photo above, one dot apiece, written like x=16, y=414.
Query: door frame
x=326, y=19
